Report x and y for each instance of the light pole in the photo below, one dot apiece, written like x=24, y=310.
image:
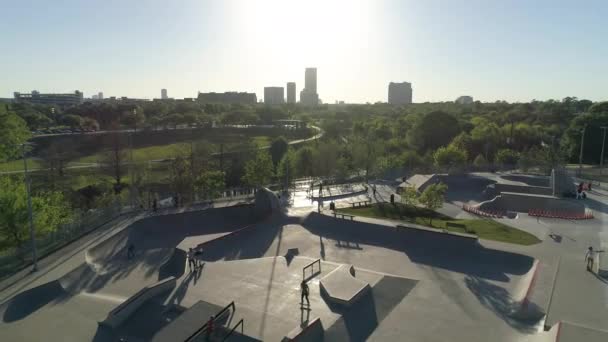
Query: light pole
x=602, y=155
x=29, y=210
x=580, y=155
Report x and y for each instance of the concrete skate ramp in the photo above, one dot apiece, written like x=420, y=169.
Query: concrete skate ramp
x=523, y=202
x=29, y=301
x=498, y=188
x=570, y=332
x=540, y=181
x=465, y=187
x=341, y=287
x=436, y=250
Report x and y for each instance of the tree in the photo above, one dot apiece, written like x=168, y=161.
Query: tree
x=259, y=170
x=286, y=170
x=450, y=158
x=210, y=183
x=180, y=177
x=113, y=160
x=73, y=121
x=432, y=131
x=90, y=123
x=49, y=208
x=507, y=158
x=13, y=132
x=278, y=147
x=409, y=196
x=480, y=162
x=433, y=197
x=304, y=162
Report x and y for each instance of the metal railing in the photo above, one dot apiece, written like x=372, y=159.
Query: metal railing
x=311, y=265
x=203, y=328
x=240, y=323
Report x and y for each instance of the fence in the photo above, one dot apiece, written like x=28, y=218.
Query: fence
x=312, y=267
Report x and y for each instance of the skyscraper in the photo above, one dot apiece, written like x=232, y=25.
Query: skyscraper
x=399, y=93
x=163, y=94
x=308, y=95
x=291, y=92
x=310, y=76
x=274, y=95
x=100, y=95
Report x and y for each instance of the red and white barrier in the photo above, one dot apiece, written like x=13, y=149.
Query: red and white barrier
x=564, y=215
x=483, y=213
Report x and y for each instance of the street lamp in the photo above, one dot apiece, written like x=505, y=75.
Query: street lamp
x=602, y=155
x=29, y=209
x=580, y=155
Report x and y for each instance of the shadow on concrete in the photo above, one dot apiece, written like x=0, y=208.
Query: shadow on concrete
x=452, y=253
x=499, y=301
x=359, y=320
x=465, y=188
x=528, y=179
x=28, y=302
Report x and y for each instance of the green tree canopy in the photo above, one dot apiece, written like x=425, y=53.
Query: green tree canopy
x=450, y=158
x=259, y=170
x=278, y=147
x=50, y=210
x=433, y=197
x=210, y=183
x=13, y=132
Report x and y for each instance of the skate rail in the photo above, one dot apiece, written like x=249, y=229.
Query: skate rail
x=240, y=323
x=312, y=267
x=216, y=318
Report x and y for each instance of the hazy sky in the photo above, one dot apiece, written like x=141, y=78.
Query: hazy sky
x=516, y=50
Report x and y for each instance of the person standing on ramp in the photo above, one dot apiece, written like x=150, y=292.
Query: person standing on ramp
x=304, y=295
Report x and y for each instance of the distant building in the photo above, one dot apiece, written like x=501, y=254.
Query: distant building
x=399, y=93
x=100, y=95
x=163, y=94
x=64, y=100
x=291, y=92
x=94, y=97
x=308, y=95
x=227, y=98
x=274, y=95
x=465, y=99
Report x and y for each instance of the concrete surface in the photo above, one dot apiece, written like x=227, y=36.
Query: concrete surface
x=341, y=287
x=424, y=286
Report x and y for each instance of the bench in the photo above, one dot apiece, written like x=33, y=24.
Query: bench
x=360, y=204
x=344, y=215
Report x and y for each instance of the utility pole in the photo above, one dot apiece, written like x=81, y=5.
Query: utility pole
x=580, y=155
x=602, y=155
x=29, y=210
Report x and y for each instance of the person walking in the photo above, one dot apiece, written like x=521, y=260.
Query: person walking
x=131, y=251
x=304, y=294
x=191, y=262
x=590, y=257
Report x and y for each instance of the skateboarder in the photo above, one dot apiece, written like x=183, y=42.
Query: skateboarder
x=589, y=257
x=210, y=327
x=304, y=294
x=191, y=261
x=130, y=251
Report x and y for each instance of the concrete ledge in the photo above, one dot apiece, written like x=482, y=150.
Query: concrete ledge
x=439, y=231
x=128, y=307
x=342, y=287
x=312, y=332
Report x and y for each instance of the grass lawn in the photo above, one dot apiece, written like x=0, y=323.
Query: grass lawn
x=485, y=229
x=17, y=165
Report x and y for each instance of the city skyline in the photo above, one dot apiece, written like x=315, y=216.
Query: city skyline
x=491, y=50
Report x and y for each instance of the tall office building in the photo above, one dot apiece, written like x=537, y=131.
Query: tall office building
x=100, y=95
x=163, y=94
x=274, y=95
x=399, y=93
x=291, y=92
x=308, y=95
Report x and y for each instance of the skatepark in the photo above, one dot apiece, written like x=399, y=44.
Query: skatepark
x=368, y=278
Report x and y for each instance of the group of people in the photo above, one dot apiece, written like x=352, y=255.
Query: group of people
x=580, y=190
x=193, y=256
